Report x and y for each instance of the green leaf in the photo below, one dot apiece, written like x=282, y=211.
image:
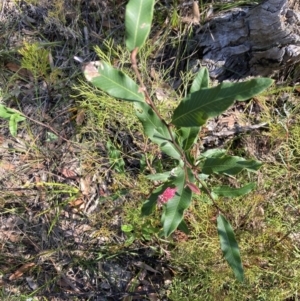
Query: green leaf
x=127, y=228
x=4, y=113
x=130, y=240
x=13, y=125
x=230, y=247
x=151, y=202
x=138, y=19
x=173, y=214
x=13, y=116
x=201, y=80
x=51, y=137
x=183, y=227
x=187, y=136
x=198, y=106
x=230, y=165
x=228, y=191
x=159, y=176
x=214, y=153
x=174, y=208
x=165, y=175
x=112, y=81
x=156, y=130
x=252, y=88
x=19, y=117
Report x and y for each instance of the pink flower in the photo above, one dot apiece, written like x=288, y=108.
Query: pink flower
x=167, y=195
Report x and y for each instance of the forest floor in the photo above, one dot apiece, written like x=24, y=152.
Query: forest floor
x=73, y=177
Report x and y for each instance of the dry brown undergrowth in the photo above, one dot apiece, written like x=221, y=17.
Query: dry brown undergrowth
x=60, y=215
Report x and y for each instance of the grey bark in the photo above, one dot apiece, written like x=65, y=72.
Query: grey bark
x=252, y=41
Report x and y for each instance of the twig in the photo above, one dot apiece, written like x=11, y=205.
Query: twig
x=143, y=87
x=46, y=126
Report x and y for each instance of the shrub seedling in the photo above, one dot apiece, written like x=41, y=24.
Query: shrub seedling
x=177, y=138
x=13, y=116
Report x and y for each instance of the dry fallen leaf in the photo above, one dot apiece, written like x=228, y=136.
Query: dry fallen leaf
x=152, y=297
x=68, y=173
x=22, y=72
x=196, y=12
x=90, y=69
x=85, y=185
x=6, y=166
x=180, y=236
x=80, y=117
x=23, y=269
x=77, y=204
x=8, y=235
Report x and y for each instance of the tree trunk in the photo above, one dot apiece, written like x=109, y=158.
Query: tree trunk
x=257, y=41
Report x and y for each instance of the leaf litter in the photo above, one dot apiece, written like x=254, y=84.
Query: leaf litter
x=56, y=234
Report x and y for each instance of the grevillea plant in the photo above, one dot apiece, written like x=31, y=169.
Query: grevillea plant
x=176, y=138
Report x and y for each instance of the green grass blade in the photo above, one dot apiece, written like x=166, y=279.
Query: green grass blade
x=230, y=247
x=138, y=19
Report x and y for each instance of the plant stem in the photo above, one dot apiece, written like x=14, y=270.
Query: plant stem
x=152, y=105
x=143, y=87
x=208, y=192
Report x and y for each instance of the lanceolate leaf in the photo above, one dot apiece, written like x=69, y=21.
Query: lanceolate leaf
x=198, y=106
x=112, y=81
x=174, y=208
x=252, y=87
x=138, y=19
x=195, y=108
x=159, y=176
x=230, y=247
x=183, y=227
x=188, y=136
x=201, y=80
x=228, y=191
x=173, y=215
x=156, y=130
x=230, y=165
x=165, y=175
x=213, y=153
x=151, y=202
